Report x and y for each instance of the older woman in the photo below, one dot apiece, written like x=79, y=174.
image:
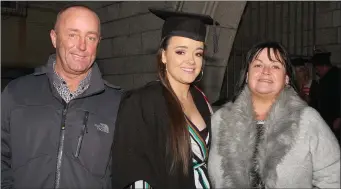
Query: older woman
x=268, y=137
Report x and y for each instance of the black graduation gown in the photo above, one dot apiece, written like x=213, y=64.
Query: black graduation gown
x=139, y=147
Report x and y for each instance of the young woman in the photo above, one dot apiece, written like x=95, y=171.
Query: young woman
x=162, y=132
x=269, y=137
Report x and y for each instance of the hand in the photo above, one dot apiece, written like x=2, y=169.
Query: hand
x=337, y=123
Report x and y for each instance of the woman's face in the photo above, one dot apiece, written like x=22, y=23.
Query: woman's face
x=267, y=77
x=183, y=59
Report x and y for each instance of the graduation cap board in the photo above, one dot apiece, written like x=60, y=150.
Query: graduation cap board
x=183, y=24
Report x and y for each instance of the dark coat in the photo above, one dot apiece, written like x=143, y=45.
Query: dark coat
x=32, y=115
x=313, y=94
x=329, y=96
x=139, y=149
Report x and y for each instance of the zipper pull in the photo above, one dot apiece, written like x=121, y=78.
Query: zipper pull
x=63, y=118
x=83, y=131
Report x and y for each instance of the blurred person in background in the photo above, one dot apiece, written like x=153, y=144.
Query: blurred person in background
x=305, y=83
x=328, y=91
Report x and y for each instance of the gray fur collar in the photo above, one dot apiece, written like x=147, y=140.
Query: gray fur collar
x=237, y=134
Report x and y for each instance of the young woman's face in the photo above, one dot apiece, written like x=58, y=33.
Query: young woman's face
x=183, y=59
x=267, y=77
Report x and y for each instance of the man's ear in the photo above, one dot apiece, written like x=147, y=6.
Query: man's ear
x=99, y=39
x=53, y=36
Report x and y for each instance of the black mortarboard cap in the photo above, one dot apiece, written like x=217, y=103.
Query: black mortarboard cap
x=183, y=24
x=298, y=61
x=321, y=58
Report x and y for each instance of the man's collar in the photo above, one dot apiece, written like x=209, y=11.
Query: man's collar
x=47, y=68
x=59, y=80
x=96, y=81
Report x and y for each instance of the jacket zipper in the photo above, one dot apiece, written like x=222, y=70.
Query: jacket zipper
x=60, y=148
x=83, y=131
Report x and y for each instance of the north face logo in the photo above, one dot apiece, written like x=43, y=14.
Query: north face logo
x=102, y=127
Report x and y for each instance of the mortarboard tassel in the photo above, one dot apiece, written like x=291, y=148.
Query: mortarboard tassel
x=215, y=38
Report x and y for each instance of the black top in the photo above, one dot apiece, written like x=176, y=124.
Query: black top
x=203, y=133
x=139, y=148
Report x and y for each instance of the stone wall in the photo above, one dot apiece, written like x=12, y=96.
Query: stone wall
x=292, y=23
x=130, y=38
x=328, y=34
x=25, y=41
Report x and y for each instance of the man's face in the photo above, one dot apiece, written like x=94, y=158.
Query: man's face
x=320, y=70
x=76, y=37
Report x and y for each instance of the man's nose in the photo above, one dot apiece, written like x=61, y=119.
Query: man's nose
x=82, y=44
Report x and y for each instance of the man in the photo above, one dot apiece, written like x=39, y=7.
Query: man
x=328, y=94
x=304, y=80
x=57, y=124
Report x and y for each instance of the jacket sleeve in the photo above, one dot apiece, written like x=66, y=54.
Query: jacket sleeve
x=130, y=157
x=325, y=152
x=6, y=154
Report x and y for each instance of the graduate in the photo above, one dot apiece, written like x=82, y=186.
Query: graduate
x=162, y=133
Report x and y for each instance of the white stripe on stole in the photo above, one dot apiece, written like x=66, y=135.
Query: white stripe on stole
x=196, y=149
x=207, y=138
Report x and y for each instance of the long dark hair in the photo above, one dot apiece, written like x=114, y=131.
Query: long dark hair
x=281, y=54
x=178, y=141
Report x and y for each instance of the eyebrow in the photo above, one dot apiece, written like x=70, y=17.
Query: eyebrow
x=276, y=61
x=89, y=32
x=185, y=47
x=259, y=60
